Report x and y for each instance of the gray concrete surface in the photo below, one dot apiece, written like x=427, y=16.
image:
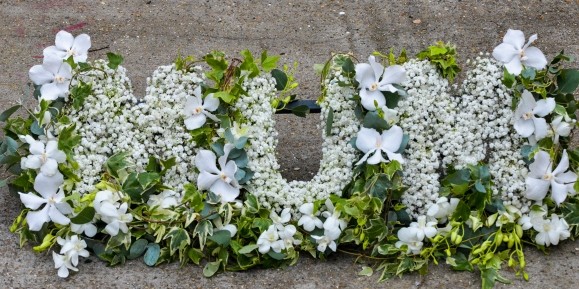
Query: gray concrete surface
x=151, y=32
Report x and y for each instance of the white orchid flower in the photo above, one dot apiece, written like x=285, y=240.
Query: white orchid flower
x=286, y=234
x=54, y=76
x=89, y=229
x=325, y=241
x=55, y=208
x=62, y=263
x=232, y=229
x=43, y=157
x=197, y=110
x=279, y=221
x=73, y=247
x=390, y=115
x=67, y=45
x=374, y=79
x=269, y=240
x=408, y=237
x=550, y=232
x=333, y=225
x=309, y=221
x=106, y=203
x=534, y=218
x=369, y=141
x=164, y=200
x=561, y=128
x=541, y=176
x=513, y=52
x=118, y=221
x=529, y=115
x=220, y=181
x=422, y=228
x=442, y=208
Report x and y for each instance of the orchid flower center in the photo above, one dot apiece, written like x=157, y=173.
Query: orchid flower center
x=59, y=79
x=548, y=177
x=378, y=144
x=70, y=52
x=374, y=86
x=51, y=200
x=528, y=115
x=44, y=157
x=523, y=55
x=225, y=178
x=198, y=110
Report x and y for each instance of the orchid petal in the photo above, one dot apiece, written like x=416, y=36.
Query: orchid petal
x=64, y=40
x=392, y=74
x=395, y=157
x=191, y=104
x=48, y=185
x=514, y=66
x=205, y=161
x=563, y=164
x=524, y=127
x=49, y=168
x=36, y=219
x=211, y=103
x=568, y=178
x=392, y=139
x=544, y=106
x=57, y=217
x=376, y=67
x=195, y=121
x=230, y=169
x=39, y=75
x=536, y=189
x=205, y=180
x=558, y=192
x=50, y=91
x=227, y=192
x=535, y=58
x=369, y=97
x=37, y=148
x=376, y=158
x=81, y=44
x=32, y=201
x=541, y=127
x=505, y=52
x=515, y=38
x=541, y=165
x=365, y=75
x=366, y=139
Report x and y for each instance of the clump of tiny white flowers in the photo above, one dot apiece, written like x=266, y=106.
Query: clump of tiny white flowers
x=267, y=184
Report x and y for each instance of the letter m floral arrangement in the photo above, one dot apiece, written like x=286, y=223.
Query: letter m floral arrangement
x=413, y=171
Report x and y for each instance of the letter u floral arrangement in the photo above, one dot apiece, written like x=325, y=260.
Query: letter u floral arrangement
x=414, y=169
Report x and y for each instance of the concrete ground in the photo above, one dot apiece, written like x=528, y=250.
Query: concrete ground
x=149, y=33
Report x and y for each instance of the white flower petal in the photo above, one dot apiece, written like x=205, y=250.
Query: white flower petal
x=205, y=160
x=81, y=45
x=57, y=217
x=31, y=200
x=368, y=99
x=64, y=40
x=36, y=219
x=376, y=158
x=524, y=127
x=50, y=91
x=558, y=192
x=39, y=75
x=195, y=121
x=563, y=164
x=540, y=165
x=505, y=52
x=516, y=38
x=211, y=103
x=365, y=75
x=536, y=189
x=392, y=139
x=544, y=106
x=227, y=192
x=49, y=168
x=514, y=66
x=48, y=185
x=392, y=75
x=376, y=67
x=366, y=139
x=535, y=58
x=541, y=128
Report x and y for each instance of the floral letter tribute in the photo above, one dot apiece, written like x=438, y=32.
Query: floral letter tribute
x=410, y=173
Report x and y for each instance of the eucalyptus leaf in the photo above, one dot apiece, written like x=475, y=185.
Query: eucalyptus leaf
x=137, y=248
x=221, y=237
x=248, y=249
x=152, y=254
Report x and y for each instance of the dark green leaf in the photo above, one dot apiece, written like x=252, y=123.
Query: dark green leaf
x=7, y=113
x=225, y=96
x=152, y=254
x=378, y=186
x=195, y=255
x=459, y=177
x=36, y=129
x=373, y=120
x=276, y=256
x=280, y=79
x=508, y=79
x=568, y=80
x=211, y=268
x=301, y=110
x=11, y=144
x=329, y=122
x=85, y=216
x=114, y=60
x=179, y=239
x=137, y=248
x=221, y=237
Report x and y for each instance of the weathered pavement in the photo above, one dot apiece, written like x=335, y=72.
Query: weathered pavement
x=151, y=33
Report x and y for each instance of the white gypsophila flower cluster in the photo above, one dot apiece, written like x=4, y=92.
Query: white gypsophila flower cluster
x=163, y=131
x=267, y=184
x=427, y=116
x=104, y=122
x=484, y=121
